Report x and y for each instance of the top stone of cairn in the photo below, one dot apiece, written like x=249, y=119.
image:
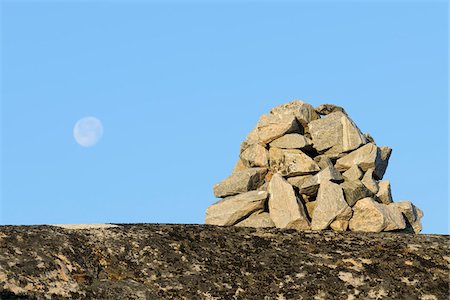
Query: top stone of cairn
x=311, y=168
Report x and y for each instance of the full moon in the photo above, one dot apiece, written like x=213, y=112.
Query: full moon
x=88, y=131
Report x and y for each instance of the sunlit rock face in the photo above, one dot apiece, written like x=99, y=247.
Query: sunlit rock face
x=323, y=166
x=214, y=262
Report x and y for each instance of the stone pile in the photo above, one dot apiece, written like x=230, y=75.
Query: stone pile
x=310, y=168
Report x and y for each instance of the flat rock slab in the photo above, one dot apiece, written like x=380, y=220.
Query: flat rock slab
x=206, y=262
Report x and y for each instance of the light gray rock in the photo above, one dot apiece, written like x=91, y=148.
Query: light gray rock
x=285, y=209
x=412, y=213
x=370, y=182
x=240, y=182
x=371, y=216
x=311, y=185
x=303, y=111
x=326, y=109
x=291, y=162
x=336, y=133
x=231, y=210
x=331, y=206
x=292, y=141
x=258, y=219
x=352, y=174
x=255, y=156
x=384, y=192
x=270, y=127
x=355, y=190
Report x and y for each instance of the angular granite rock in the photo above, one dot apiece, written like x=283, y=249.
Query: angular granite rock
x=240, y=182
x=291, y=162
x=352, y=174
x=412, y=213
x=310, y=206
x=384, y=192
x=285, y=210
x=370, y=182
x=371, y=216
x=291, y=141
x=336, y=131
x=311, y=185
x=255, y=156
x=354, y=191
x=270, y=127
x=233, y=209
x=304, y=112
x=297, y=181
x=366, y=157
x=258, y=219
x=239, y=166
x=331, y=206
x=326, y=109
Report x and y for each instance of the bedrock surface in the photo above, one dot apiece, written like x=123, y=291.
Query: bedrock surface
x=151, y=261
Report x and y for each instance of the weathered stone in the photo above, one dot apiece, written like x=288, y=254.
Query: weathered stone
x=251, y=139
x=304, y=112
x=366, y=157
x=240, y=166
x=258, y=219
x=311, y=185
x=331, y=206
x=354, y=191
x=326, y=109
x=271, y=127
x=291, y=141
x=371, y=216
x=291, y=162
x=412, y=213
x=285, y=209
x=352, y=174
x=370, y=182
x=369, y=138
x=341, y=223
x=336, y=131
x=384, y=192
x=297, y=181
x=310, y=206
x=255, y=156
x=233, y=209
x=323, y=162
x=240, y=182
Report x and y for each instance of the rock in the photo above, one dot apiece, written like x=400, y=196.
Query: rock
x=297, y=181
x=384, y=192
x=311, y=185
x=291, y=162
x=291, y=141
x=354, y=191
x=258, y=219
x=335, y=131
x=233, y=209
x=369, y=182
x=369, y=138
x=255, y=156
x=366, y=157
x=326, y=109
x=370, y=216
x=285, y=210
x=323, y=162
x=270, y=127
x=353, y=174
x=304, y=112
x=412, y=213
x=331, y=206
x=240, y=182
x=310, y=206
x=240, y=166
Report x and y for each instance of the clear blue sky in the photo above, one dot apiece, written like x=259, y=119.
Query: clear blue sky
x=179, y=85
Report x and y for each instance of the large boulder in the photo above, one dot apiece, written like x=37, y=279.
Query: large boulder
x=331, y=206
x=270, y=127
x=292, y=141
x=370, y=182
x=367, y=157
x=336, y=132
x=303, y=111
x=240, y=182
x=258, y=219
x=371, y=216
x=354, y=191
x=291, y=162
x=352, y=174
x=255, y=156
x=285, y=209
x=412, y=213
x=233, y=209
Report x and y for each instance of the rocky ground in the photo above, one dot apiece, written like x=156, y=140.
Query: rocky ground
x=210, y=262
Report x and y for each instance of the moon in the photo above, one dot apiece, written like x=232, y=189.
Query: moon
x=88, y=131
